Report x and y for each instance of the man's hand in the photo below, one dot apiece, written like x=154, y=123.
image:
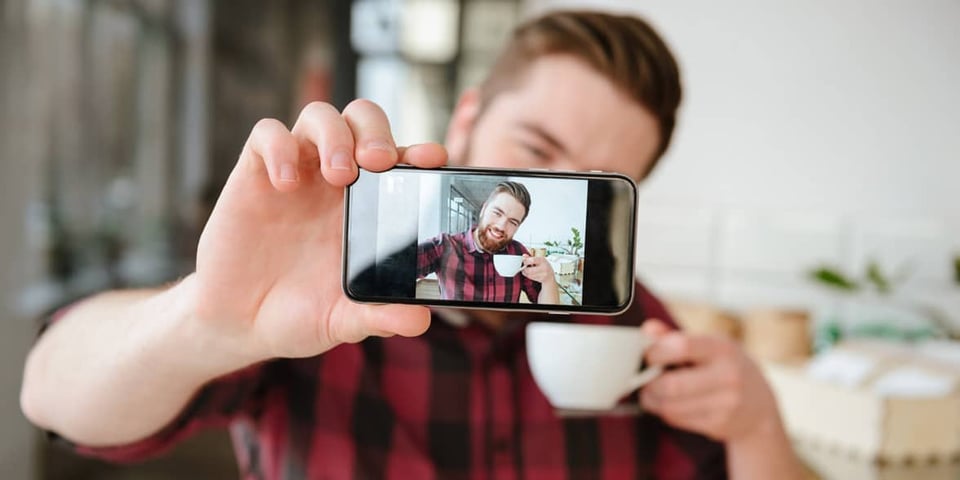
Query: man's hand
x=122, y=364
x=538, y=269
x=264, y=273
x=719, y=392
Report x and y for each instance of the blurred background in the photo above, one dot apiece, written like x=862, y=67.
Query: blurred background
x=812, y=185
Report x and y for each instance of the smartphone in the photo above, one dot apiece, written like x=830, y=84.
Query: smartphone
x=484, y=238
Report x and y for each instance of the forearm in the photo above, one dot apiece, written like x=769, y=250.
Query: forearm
x=764, y=453
x=549, y=293
x=122, y=365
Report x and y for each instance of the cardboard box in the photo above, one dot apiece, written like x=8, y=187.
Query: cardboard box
x=863, y=424
x=776, y=334
x=825, y=464
x=702, y=318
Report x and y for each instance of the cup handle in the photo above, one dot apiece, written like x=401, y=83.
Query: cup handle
x=642, y=378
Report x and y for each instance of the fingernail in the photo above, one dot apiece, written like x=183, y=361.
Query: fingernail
x=288, y=172
x=378, y=145
x=340, y=161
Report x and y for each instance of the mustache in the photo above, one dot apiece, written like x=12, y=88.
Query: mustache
x=489, y=243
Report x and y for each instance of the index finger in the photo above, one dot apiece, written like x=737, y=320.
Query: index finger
x=375, y=147
x=323, y=135
x=677, y=348
x=424, y=155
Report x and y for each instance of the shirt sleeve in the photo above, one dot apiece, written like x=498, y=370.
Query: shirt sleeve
x=649, y=307
x=683, y=454
x=530, y=287
x=428, y=256
x=216, y=404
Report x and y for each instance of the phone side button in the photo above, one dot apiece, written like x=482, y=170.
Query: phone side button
x=559, y=313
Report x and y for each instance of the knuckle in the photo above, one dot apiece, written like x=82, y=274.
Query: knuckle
x=266, y=124
x=684, y=346
x=368, y=116
x=316, y=109
x=362, y=105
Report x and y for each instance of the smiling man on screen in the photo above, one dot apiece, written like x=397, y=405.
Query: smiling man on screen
x=464, y=262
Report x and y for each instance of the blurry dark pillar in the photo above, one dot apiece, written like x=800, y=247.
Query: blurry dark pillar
x=261, y=51
x=251, y=75
x=147, y=258
x=20, y=167
x=345, y=57
x=192, y=21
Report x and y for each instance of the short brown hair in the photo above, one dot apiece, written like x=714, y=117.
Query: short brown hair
x=514, y=189
x=624, y=49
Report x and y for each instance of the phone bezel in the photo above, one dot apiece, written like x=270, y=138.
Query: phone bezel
x=517, y=307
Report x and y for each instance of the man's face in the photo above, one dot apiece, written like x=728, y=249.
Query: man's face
x=562, y=116
x=499, y=221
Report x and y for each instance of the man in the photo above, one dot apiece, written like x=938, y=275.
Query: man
x=261, y=336
x=464, y=262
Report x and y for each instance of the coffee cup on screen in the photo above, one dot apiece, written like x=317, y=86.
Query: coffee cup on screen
x=587, y=367
x=508, y=265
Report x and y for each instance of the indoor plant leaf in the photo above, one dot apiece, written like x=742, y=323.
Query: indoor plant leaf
x=833, y=278
x=876, y=276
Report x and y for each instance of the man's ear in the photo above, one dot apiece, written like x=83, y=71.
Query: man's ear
x=461, y=125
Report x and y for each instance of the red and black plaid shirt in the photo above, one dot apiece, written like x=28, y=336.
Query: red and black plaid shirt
x=467, y=273
x=454, y=403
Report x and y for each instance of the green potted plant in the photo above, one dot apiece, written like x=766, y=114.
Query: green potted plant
x=573, y=245
x=869, y=306
x=956, y=269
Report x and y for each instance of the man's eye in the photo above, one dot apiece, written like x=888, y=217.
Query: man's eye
x=536, y=151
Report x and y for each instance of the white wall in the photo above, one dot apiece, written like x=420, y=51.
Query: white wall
x=811, y=132
x=429, y=218
x=555, y=207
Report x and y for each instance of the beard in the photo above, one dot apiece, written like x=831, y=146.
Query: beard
x=488, y=243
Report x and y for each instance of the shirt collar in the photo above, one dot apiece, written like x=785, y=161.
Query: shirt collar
x=472, y=246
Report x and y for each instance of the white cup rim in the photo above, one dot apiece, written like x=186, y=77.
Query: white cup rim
x=557, y=326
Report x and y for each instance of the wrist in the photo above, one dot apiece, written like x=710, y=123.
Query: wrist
x=175, y=338
x=767, y=431
x=765, y=451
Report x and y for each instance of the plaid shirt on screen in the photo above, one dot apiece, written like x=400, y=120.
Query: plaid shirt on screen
x=458, y=402
x=467, y=273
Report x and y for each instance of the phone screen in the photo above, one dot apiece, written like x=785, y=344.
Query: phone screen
x=484, y=238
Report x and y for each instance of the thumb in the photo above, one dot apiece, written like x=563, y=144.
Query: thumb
x=655, y=328
x=362, y=321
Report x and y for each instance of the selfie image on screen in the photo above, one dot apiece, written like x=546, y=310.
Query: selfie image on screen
x=474, y=234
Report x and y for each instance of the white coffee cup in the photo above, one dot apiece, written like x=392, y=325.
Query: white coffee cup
x=587, y=367
x=508, y=265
